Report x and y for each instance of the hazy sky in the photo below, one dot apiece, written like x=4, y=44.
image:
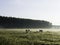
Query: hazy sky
x=33, y=9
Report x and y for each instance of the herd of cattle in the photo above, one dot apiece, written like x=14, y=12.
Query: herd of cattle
x=28, y=30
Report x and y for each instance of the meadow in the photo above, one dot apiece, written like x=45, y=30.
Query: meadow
x=11, y=37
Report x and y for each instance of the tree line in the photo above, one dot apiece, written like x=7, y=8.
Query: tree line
x=12, y=22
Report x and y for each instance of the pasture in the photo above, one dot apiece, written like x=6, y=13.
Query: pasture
x=20, y=37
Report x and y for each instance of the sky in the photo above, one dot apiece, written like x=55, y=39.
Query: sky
x=48, y=10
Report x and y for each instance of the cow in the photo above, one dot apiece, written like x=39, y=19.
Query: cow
x=40, y=30
x=27, y=30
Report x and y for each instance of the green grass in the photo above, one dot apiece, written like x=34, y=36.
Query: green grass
x=23, y=38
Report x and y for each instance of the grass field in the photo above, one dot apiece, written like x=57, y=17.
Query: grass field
x=31, y=38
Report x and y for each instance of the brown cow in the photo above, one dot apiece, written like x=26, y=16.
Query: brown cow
x=40, y=30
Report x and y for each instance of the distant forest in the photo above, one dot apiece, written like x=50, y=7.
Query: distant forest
x=12, y=22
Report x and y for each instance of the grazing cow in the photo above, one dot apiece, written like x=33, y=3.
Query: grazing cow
x=40, y=30
x=27, y=31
